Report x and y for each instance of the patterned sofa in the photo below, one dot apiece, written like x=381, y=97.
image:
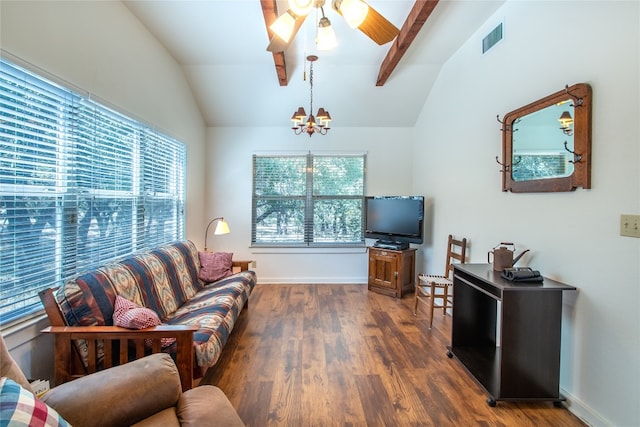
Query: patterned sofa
x=196, y=317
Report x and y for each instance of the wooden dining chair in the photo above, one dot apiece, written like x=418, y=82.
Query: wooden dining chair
x=431, y=287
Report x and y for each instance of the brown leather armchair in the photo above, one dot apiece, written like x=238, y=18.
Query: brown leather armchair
x=145, y=392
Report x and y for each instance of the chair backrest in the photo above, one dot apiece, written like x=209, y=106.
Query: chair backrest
x=456, y=250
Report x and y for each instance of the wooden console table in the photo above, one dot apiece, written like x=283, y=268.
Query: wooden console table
x=392, y=272
x=511, y=349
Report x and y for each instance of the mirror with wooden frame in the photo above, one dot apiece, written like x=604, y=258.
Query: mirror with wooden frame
x=546, y=145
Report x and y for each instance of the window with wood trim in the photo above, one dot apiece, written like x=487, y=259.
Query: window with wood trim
x=80, y=185
x=308, y=200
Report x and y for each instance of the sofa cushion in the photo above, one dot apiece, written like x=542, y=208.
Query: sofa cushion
x=162, y=280
x=215, y=265
x=215, y=321
x=21, y=408
x=165, y=418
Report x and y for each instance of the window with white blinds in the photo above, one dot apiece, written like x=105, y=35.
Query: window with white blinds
x=308, y=200
x=80, y=185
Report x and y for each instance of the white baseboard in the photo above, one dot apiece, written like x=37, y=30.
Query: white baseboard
x=313, y=280
x=583, y=411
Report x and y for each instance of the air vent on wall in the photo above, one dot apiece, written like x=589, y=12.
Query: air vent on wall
x=492, y=38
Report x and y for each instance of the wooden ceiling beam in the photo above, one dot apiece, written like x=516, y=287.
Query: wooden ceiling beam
x=270, y=13
x=419, y=14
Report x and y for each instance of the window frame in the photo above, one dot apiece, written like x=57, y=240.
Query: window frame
x=309, y=200
x=56, y=166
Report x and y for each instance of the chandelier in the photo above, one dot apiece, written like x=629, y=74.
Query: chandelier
x=310, y=125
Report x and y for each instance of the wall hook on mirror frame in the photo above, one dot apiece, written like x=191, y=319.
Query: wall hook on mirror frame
x=576, y=99
x=508, y=168
x=505, y=127
x=577, y=158
x=516, y=162
x=505, y=168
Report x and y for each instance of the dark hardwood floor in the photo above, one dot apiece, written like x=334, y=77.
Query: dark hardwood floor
x=339, y=355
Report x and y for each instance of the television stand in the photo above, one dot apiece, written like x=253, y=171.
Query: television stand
x=392, y=272
x=391, y=245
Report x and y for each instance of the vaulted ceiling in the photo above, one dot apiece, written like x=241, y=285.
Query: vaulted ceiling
x=221, y=46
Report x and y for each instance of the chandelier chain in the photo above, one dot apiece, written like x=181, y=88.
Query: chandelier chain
x=311, y=88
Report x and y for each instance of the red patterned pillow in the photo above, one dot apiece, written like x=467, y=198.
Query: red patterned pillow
x=215, y=265
x=128, y=314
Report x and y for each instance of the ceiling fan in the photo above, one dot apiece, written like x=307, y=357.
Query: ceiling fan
x=357, y=13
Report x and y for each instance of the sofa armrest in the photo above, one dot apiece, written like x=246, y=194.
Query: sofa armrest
x=202, y=405
x=64, y=348
x=122, y=395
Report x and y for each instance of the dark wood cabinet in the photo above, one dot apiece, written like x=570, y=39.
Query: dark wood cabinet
x=392, y=272
x=507, y=335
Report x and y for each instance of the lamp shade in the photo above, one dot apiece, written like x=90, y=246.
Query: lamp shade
x=354, y=12
x=299, y=115
x=323, y=117
x=283, y=26
x=326, y=36
x=301, y=7
x=222, y=227
x=565, y=118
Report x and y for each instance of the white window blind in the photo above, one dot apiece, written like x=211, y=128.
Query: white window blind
x=308, y=200
x=80, y=185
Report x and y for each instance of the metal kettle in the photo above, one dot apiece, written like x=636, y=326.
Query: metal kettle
x=503, y=256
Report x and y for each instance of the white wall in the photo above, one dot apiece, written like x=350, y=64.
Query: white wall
x=229, y=183
x=100, y=48
x=573, y=237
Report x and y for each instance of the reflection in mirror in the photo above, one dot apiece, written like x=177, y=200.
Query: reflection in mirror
x=546, y=145
x=539, y=143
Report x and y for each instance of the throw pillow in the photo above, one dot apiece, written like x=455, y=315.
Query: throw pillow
x=21, y=408
x=215, y=265
x=128, y=314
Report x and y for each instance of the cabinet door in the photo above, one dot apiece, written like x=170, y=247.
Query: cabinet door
x=383, y=269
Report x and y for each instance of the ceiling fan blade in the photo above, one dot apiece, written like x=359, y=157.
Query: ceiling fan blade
x=378, y=28
x=276, y=44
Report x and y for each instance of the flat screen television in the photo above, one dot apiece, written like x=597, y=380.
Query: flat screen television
x=394, y=220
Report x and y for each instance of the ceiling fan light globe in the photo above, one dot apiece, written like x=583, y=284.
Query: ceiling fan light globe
x=354, y=12
x=326, y=36
x=301, y=7
x=283, y=26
